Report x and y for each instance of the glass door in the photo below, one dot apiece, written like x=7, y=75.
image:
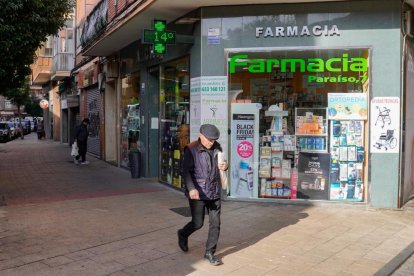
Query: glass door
x=130, y=107
x=174, y=119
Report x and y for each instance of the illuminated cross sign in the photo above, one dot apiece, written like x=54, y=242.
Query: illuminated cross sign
x=159, y=37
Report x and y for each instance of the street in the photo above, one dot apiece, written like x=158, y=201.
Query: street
x=58, y=218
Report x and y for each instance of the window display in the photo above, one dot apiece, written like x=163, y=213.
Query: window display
x=175, y=119
x=347, y=160
x=276, y=157
x=308, y=149
x=130, y=128
x=311, y=129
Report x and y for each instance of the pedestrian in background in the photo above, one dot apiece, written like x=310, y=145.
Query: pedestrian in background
x=201, y=173
x=81, y=137
x=40, y=130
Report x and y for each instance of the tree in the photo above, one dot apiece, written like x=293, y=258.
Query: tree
x=32, y=107
x=24, y=26
x=19, y=97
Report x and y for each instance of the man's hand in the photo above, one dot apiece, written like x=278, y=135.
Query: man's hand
x=223, y=166
x=194, y=194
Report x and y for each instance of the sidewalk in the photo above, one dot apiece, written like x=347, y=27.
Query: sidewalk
x=65, y=219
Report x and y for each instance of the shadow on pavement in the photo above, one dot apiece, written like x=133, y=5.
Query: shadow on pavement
x=134, y=233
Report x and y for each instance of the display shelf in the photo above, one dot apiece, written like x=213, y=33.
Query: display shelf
x=313, y=135
x=280, y=113
x=311, y=129
x=276, y=178
x=281, y=197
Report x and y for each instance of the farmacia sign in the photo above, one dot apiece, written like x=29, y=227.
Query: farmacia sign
x=297, y=31
x=343, y=64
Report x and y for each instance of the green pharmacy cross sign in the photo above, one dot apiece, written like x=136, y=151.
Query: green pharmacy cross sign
x=159, y=37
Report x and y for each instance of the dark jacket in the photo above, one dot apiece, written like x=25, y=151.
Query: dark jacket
x=81, y=134
x=200, y=170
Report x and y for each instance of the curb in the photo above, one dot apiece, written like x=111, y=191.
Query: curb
x=396, y=262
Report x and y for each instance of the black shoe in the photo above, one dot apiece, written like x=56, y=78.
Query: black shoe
x=182, y=241
x=213, y=260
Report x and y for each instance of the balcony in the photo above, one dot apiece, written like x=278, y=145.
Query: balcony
x=41, y=70
x=63, y=63
x=95, y=23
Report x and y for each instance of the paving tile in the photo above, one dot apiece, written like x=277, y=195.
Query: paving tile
x=131, y=260
x=333, y=266
x=79, y=255
x=314, y=272
x=56, y=261
x=363, y=267
x=283, y=271
x=119, y=273
x=28, y=269
x=10, y=263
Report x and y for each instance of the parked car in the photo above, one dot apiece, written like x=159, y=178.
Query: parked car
x=5, y=133
x=13, y=129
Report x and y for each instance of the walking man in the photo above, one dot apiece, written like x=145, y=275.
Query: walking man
x=81, y=137
x=201, y=172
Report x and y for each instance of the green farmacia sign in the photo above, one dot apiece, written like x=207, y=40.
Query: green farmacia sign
x=159, y=37
x=341, y=64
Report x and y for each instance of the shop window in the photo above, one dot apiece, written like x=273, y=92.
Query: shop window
x=311, y=138
x=130, y=106
x=175, y=119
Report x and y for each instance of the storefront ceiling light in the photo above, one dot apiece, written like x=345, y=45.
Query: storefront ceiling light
x=187, y=20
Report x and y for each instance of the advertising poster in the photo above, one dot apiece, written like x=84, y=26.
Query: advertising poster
x=385, y=125
x=214, y=105
x=242, y=176
x=313, y=175
x=209, y=105
x=347, y=106
x=195, y=108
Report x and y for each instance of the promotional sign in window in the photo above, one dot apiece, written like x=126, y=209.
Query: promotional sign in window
x=385, y=124
x=347, y=106
x=209, y=105
x=242, y=178
x=313, y=175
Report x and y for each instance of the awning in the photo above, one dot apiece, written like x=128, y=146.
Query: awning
x=7, y=113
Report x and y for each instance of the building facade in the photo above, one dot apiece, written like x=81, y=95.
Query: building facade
x=310, y=98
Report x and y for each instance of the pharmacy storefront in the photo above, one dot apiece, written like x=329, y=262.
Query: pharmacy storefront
x=311, y=100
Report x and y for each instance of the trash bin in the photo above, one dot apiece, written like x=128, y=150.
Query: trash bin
x=135, y=163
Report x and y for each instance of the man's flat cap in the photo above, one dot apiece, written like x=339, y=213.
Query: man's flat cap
x=210, y=131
